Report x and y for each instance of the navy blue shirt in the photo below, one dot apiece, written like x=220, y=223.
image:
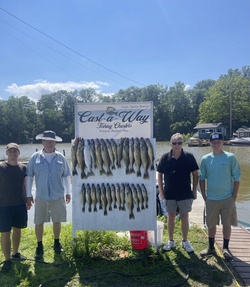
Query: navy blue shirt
x=177, y=175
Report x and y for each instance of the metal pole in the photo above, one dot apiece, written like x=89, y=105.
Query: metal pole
x=230, y=114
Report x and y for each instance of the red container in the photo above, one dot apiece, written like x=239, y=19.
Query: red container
x=139, y=239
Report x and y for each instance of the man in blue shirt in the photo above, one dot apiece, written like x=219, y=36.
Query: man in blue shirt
x=52, y=177
x=222, y=172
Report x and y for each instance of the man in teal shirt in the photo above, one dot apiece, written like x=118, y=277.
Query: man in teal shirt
x=222, y=172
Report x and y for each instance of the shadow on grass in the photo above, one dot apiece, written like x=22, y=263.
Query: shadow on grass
x=142, y=268
x=153, y=270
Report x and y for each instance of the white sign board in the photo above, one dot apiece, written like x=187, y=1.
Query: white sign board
x=114, y=120
x=125, y=125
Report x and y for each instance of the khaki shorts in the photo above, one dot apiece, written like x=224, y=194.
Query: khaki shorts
x=224, y=208
x=183, y=205
x=45, y=209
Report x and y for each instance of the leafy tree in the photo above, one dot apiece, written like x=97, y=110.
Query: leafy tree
x=107, y=99
x=245, y=71
x=29, y=118
x=3, y=130
x=18, y=115
x=158, y=95
x=47, y=102
x=175, y=110
x=197, y=95
x=161, y=114
x=180, y=109
x=56, y=112
x=131, y=94
x=87, y=96
x=216, y=106
x=68, y=116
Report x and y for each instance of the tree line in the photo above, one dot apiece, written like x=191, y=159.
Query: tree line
x=175, y=108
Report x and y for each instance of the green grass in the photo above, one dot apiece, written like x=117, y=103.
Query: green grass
x=96, y=255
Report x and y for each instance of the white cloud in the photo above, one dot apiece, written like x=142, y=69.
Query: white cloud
x=187, y=87
x=103, y=83
x=108, y=94
x=42, y=87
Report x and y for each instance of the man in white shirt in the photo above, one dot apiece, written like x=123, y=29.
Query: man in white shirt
x=52, y=177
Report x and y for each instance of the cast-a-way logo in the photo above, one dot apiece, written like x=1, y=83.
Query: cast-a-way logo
x=111, y=114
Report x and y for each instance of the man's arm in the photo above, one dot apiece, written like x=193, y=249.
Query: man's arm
x=236, y=188
x=202, y=187
x=24, y=183
x=160, y=184
x=66, y=183
x=195, y=183
x=29, y=197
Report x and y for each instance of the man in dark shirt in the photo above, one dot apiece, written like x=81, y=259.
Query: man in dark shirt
x=176, y=166
x=13, y=211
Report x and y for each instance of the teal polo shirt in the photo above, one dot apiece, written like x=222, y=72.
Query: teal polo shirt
x=220, y=171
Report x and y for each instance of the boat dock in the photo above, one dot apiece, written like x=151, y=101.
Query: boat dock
x=239, y=242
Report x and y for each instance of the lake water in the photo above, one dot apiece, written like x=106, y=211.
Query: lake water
x=242, y=154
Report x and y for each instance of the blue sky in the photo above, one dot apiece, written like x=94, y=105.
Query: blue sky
x=145, y=41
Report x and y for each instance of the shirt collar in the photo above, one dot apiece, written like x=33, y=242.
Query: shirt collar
x=42, y=154
x=170, y=155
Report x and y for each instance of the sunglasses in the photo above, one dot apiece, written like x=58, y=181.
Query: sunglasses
x=175, y=143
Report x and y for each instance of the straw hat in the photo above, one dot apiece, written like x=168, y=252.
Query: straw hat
x=49, y=136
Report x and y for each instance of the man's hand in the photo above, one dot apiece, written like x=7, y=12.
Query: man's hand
x=162, y=195
x=160, y=185
x=195, y=194
x=68, y=198
x=29, y=201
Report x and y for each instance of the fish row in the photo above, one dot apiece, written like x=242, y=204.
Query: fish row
x=114, y=196
x=96, y=153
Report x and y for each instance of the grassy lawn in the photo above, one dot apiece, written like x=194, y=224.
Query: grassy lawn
x=101, y=258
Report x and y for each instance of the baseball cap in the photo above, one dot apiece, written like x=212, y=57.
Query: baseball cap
x=12, y=145
x=216, y=136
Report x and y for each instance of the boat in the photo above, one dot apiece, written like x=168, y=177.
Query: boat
x=240, y=141
x=227, y=143
x=193, y=142
x=197, y=142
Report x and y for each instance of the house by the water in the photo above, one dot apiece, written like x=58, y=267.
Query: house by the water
x=243, y=132
x=204, y=130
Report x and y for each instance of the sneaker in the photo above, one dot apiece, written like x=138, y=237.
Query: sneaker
x=227, y=254
x=18, y=256
x=186, y=245
x=207, y=252
x=58, y=248
x=169, y=245
x=39, y=252
x=6, y=266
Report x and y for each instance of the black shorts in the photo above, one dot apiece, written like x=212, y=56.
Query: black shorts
x=13, y=216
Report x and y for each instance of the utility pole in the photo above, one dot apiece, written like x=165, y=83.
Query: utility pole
x=230, y=112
